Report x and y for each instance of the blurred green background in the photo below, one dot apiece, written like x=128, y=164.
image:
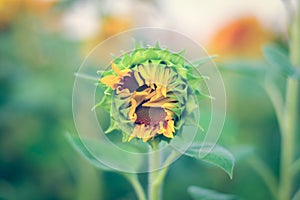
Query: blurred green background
x=42, y=44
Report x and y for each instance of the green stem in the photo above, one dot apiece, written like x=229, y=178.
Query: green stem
x=154, y=188
x=133, y=179
x=288, y=140
x=161, y=175
x=295, y=38
x=89, y=181
x=277, y=101
x=266, y=174
x=290, y=116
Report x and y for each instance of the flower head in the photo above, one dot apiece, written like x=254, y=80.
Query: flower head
x=149, y=93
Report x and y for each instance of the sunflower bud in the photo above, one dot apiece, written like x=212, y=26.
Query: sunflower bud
x=150, y=93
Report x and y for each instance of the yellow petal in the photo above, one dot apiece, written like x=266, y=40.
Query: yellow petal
x=167, y=132
x=152, y=86
x=133, y=135
x=166, y=76
x=168, y=105
x=169, y=115
x=147, y=133
x=161, y=128
x=124, y=93
x=131, y=113
x=161, y=131
x=140, y=96
x=171, y=125
x=164, y=91
x=140, y=131
x=164, y=103
x=138, y=78
x=118, y=71
x=110, y=80
x=170, y=129
x=150, y=95
x=153, y=131
x=136, y=131
x=143, y=93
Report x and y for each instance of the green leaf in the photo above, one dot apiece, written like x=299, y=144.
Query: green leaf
x=104, y=103
x=176, y=59
x=137, y=45
x=200, y=96
x=218, y=156
x=95, y=149
x=138, y=57
x=79, y=146
x=198, y=193
x=164, y=55
x=151, y=54
x=191, y=104
x=113, y=126
x=117, y=60
x=177, y=111
x=156, y=46
x=126, y=60
x=278, y=59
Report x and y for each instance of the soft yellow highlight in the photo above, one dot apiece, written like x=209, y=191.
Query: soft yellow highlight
x=112, y=80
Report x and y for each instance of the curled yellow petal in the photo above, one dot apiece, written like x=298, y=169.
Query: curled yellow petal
x=118, y=71
x=161, y=128
x=168, y=105
x=164, y=103
x=170, y=129
x=164, y=91
x=132, y=114
x=171, y=125
x=110, y=80
x=169, y=114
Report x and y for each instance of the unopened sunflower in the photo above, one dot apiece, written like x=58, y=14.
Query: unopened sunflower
x=150, y=93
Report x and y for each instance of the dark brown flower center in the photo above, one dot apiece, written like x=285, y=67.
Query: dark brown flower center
x=129, y=82
x=149, y=115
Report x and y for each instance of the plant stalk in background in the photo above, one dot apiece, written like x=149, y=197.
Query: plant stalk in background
x=290, y=114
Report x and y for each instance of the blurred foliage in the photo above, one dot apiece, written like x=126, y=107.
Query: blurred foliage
x=242, y=37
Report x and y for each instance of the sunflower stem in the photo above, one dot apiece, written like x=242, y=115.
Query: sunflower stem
x=162, y=173
x=154, y=187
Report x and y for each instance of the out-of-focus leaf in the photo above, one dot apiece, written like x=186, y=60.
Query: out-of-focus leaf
x=218, y=156
x=198, y=193
x=265, y=173
x=297, y=195
x=242, y=152
x=278, y=59
x=79, y=146
x=115, y=160
x=244, y=66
